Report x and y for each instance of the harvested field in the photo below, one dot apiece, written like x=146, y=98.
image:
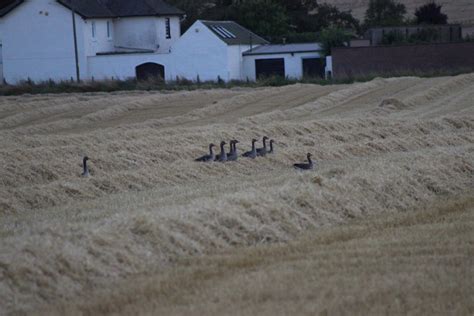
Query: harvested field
x=458, y=11
x=152, y=231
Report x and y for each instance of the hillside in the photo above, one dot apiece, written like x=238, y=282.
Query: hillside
x=457, y=10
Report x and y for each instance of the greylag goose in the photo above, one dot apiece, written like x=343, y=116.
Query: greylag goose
x=305, y=166
x=209, y=157
x=85, y=169
x=232, y=155
x=222, y=157
x=271, y=147
x=252, y=153
x=263, y=151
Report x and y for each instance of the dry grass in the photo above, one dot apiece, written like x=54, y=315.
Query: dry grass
x=413, y=263
x=384, y=147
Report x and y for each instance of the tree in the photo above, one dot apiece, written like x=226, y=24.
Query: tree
x=394, y=37
x=333, y=37
x=192, y=8
x=329, y=16
x=264, y=17
x=273, y=19
x=430, y=13
x=384, y=13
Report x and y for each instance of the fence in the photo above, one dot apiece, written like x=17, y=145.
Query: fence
x=352, y=62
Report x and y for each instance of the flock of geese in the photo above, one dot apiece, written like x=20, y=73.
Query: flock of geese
x=232, y=155
x=255, y=152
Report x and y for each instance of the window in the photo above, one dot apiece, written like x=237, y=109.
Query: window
x=109, y=30
x=93, y=29
x=222, y=31
x=168, y=28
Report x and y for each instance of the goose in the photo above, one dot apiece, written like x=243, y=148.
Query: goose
x=231, y=146
x=263, y=151
x=271, y=147
x=232, y=155
x=222, y=157
x=210, y=157
x=85, y=169
x=305, y=166
x=252, y=153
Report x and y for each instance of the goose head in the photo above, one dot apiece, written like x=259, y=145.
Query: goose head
x=85, y=159
x=254, y=141
x=223, y=143
x=265, y=138
x=308, y=155
x=212, y=145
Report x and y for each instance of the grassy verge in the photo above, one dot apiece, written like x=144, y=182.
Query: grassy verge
x=31, y=87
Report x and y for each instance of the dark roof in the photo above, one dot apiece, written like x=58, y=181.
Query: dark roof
x=234, y=34
x=7, y=5
x=107, y=8
x=284, y=49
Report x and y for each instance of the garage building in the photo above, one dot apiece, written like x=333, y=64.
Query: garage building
x=293, y=61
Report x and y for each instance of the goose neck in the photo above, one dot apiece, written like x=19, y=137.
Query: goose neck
x=84, y=165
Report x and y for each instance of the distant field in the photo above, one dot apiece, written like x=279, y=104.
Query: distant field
x=458, y=11
x=383, y=224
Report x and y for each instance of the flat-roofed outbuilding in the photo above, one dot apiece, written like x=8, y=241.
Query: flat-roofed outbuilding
x=293, y=61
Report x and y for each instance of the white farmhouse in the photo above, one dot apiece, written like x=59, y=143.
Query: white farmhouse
x=38, y=36
x=102, y=39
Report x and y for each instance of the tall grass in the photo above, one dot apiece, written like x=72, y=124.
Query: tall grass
x=182, y=84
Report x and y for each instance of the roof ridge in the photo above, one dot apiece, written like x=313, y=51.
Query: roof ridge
x=219, y=21
x=107, y=8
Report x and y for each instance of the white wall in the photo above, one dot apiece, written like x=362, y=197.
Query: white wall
x=137, y=32
x=328, y=69
x=1, y=63
x=201, y=52
x=175, y=30
x=38, y=42
x=146, y=33
x=101, y=43
x=235, y=61
x=1, y=52
x=123, y=66
x=293, y=64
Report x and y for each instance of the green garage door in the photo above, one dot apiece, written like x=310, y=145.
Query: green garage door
x=270, y=67
x=313, y=67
